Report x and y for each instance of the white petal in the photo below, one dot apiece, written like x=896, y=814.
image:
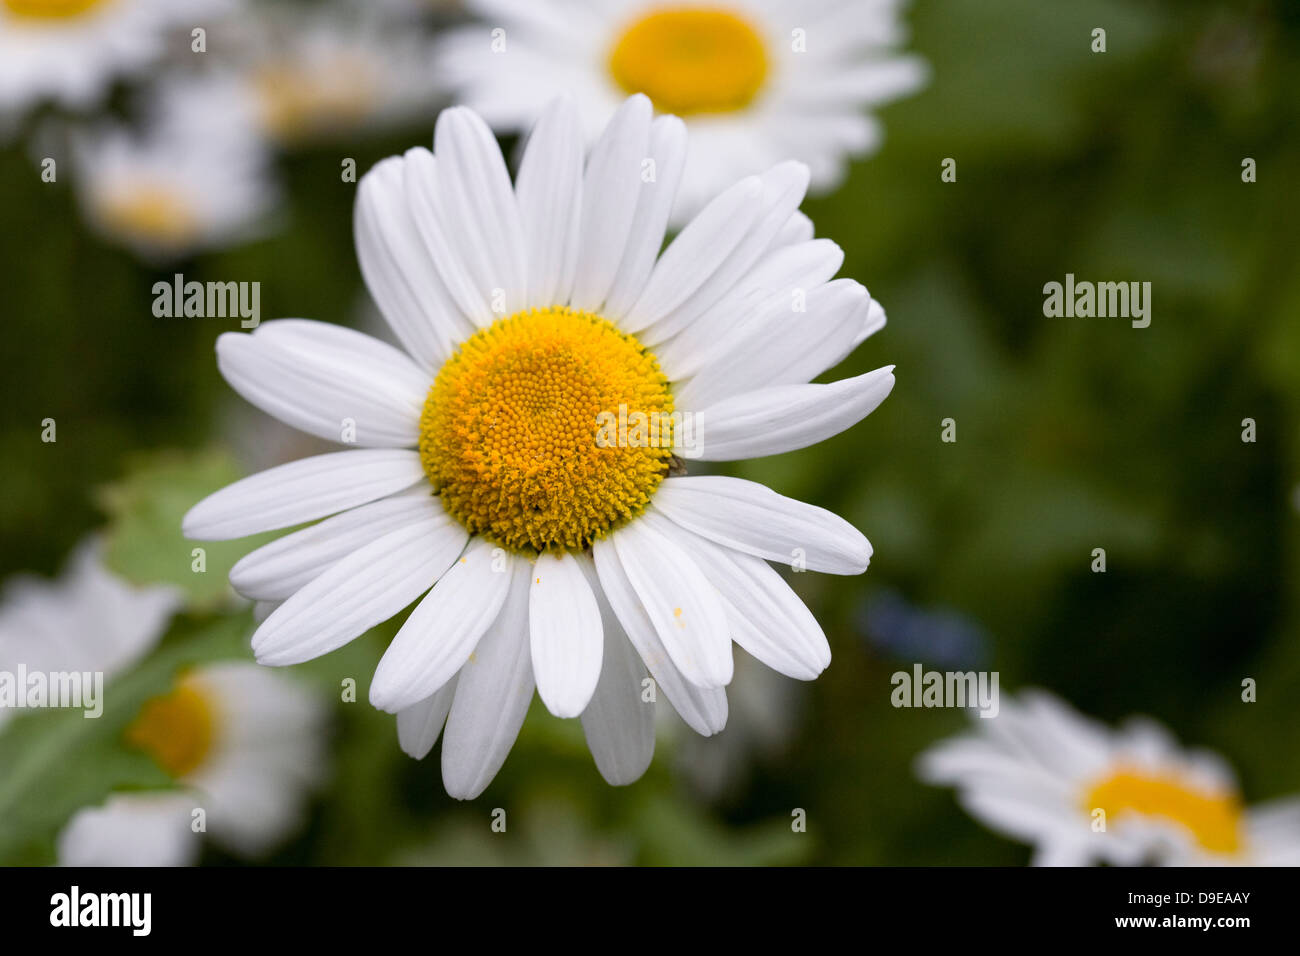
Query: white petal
x=685, y=609
x=276, y=570
x=549, y=193
x=755, y=519
x=783, y=346
x=442, y=631
x=564, y=628
x=618, y=723
x=697, y=254
x=782, y=189
x=775, y=420
x=364, y=589
x=772, y=283
x=398, y=270
x=419, y=725
x=767, y=618
x=475, y=198
x=703, y=708
x=493, y=691
x=610, y=193
x=668, y=152
x=301, y=491
x=327, y=391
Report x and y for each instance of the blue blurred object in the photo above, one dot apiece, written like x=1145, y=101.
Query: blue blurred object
x=943, y=637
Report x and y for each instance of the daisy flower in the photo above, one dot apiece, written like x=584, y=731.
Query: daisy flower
x=243, y=743
x=70, y=50
x=556, y=554
x=1080, y=792
x=757, y=81
x=177, y=190
x=306, y=77
x=245, y=746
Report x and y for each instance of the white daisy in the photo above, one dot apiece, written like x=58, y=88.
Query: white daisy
x=1080, y=792
x=757, y=81
x=310, y=76
x=560, y=561
x=196, y=180
x=243, y=743
x=245, y=746
x=70, y=50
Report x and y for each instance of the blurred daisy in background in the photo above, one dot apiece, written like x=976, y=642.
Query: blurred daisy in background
x=70, y=51
x=327, y=72
x=244, y=744
x=177, y=189
x=577, y=567
x=757, y=81
x=1080, y=792
x=246, y=747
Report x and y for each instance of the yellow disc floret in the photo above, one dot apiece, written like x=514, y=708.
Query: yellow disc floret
x=149, y=213
x=176, y=729
x=49, y=9
x=691, y=60
x=547, y=429
x=1213, y=818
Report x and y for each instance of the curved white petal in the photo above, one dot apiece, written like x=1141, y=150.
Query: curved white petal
x=477, y=203
x=399, y=271
x=685, y=609
x=564, y=628
x=767, y=618
x=770, y=421
x=275, y=571
x=667, y=150
x=493, y=691
x=783, y=345
x=619, y=721
x=340, y=387
x=419, y=725
x=302, y=490
x=442, y=631
x=703, y=708
x=363, y=589
x=610, y=194
x=549, y=193
x=753, y=518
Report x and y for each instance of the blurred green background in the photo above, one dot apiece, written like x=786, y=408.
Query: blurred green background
x=1072, y=434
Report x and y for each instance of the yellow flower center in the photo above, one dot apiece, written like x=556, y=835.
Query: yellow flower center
x=691, y=60
x=1212, y=817
x=176, y=729
x=520, y=433
x=149, y=212
x=49, y=9
x=298, y=100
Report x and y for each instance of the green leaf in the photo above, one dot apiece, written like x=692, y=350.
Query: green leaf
x=54, y=762
x=144, y=543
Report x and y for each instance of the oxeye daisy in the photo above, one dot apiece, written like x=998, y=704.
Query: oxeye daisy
x=176, y=190
x=504, y=453
x=757, y=81
x=1080, y=792
x=70, y=50
x=243, y=744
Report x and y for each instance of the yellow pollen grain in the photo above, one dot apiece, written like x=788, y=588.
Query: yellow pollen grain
x=176, y=729
x=691, y=60
x=50, y=9
x=508, y=436
x=1213, y=818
